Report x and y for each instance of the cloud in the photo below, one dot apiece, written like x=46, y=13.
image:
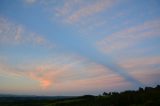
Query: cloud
x=128, y=42
x=144, y=69
x=8, y=69
x=13, y=34
x=92, y=85
x=78, y=11
x=69, y=70
x=46, y=77
x=83, y=15
x=56, y=70
x=141, y=62
x=67, y=7
x=43, y=80
x=75, y=11
x=129, y=37
x=89, y=10
x=30, y=1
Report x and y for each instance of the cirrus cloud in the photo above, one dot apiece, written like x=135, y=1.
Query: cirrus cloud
x=14, y=34
x=57, y=70
x=129, y=37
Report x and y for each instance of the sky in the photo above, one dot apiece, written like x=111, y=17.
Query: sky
x=78, y=47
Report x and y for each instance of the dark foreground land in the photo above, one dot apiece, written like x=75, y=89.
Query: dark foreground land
x=142, y=97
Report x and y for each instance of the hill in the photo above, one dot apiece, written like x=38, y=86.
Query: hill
x=147, y=96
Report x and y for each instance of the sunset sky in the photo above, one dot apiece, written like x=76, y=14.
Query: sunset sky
x=77, y=47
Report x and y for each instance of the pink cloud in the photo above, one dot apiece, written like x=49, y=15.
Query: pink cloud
x=140, y=62
x=89, y=10
x=43, y=80
x=103, y=82
x=129, y=37
x=144, y=69
x=50, y=74
x=59, y=70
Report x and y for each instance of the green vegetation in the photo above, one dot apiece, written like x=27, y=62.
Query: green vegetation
x=143, y=97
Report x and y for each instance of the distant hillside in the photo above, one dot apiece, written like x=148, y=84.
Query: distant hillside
x=147, y=96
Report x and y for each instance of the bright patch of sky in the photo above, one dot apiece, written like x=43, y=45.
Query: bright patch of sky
x=60, y=46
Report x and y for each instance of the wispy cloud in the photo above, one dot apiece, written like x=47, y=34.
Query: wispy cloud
x=30, y=1
x=57, y=70
x=89, y=10
x=129, y=37
x=82, y=14
x=145, y=69
x=141, y=62
x=77, y=12
x=91, y=85
x=11, y=33
x=98, y=16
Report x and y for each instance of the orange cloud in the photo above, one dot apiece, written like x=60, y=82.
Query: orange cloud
x=58, y=71
x=44, y=81
x=50, y=74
